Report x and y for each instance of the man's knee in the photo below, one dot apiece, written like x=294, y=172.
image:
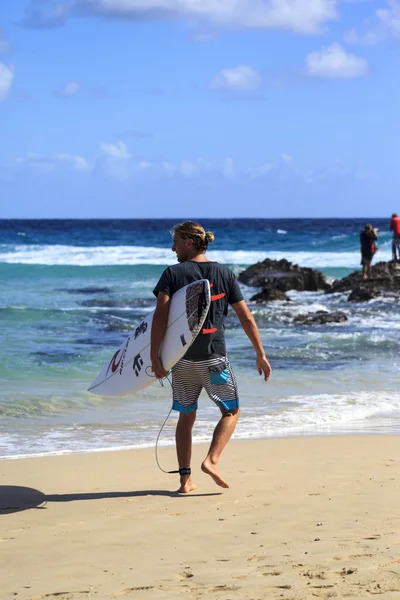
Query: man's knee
x=230, y=413
x=187, y=419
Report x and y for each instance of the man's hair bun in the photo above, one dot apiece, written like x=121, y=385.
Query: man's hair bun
x=209, y=236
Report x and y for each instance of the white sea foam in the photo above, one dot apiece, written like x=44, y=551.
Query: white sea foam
x=322, y=411
x=290, y=415
x=136, y=255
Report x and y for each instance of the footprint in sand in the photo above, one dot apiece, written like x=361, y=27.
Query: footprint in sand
x=57, y=594
x=225, y=588
x=311, y=575
x=345, y=572
x=187, y=575
x=142, y=588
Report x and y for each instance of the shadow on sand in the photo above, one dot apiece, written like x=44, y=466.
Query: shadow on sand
x=17, y=498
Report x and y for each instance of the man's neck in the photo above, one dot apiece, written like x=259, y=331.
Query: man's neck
x=199, y=258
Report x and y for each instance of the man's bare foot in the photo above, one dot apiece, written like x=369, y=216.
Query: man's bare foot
x=212, y=470
x=187, y=486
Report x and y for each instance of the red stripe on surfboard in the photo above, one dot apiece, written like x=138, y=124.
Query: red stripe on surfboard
x=206, y=331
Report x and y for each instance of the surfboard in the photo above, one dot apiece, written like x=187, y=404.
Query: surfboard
x=129, y=369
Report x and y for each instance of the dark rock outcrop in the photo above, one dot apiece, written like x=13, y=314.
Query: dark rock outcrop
x=384, y=280
x=320, y=318
x=269, y=295
x=87, y=290
x=283, y=275
x=362, y=294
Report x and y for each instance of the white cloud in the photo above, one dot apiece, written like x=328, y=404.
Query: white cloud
x=77, y=162
x=143, y=165
x=6, y=79
x=69, y=89
x=334, y=63
x=36, y=162
x=262, y=170
x=199, y=170
x=239, y=79
x=194, y=168
x=389, y=19
x=168, y=168
x=287, y=158
x=300, y=16
x=117, y=151
x=228, y=169
x=117, y=161
x=385, y=24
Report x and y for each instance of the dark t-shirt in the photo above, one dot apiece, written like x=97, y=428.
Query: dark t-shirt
x=224, y=291
x=367, y=244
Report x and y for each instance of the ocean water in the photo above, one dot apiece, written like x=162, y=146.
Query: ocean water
x=71, y=291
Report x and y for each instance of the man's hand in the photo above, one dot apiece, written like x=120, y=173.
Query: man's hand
x=158, y=369
x=263, y=367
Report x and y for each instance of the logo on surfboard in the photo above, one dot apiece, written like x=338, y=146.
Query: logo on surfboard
x=141, y=329
x=118, y=364
x=114, y=363
x=137, y=364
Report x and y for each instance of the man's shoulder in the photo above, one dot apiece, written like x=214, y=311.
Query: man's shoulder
x=189, y=267
x=223, y=269
x=175, y=267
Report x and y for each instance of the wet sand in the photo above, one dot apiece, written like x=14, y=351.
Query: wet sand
x=304, y=518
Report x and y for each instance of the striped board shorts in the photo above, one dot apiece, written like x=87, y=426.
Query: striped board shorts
x=215, y=375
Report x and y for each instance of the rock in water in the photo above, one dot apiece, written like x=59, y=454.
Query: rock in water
x=362, y=294
x=269, y=295
x=321, y=318
x=283, y=275
x=385, y=277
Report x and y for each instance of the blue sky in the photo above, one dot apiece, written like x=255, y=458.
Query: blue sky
x=203, y=108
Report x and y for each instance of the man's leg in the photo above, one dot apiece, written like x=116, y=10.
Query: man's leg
x=397, y=250
x=364, y=271
x=222, y=434
x=183, y=439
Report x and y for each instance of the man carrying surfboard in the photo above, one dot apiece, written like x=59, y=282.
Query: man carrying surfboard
x=205, y=365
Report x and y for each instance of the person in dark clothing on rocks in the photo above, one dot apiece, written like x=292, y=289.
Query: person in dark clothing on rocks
x=368, y=238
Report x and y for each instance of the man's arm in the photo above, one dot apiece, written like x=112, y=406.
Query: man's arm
x=158, y=329
x=250, y=328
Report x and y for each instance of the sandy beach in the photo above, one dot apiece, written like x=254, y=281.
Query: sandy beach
x=304, y=518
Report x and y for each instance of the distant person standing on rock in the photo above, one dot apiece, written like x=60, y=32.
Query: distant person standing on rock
x=395, y=228
x=368, y=238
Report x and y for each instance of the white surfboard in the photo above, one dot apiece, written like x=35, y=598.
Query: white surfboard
x=129, y=370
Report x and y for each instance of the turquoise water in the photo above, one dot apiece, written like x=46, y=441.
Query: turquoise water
x=71, y=291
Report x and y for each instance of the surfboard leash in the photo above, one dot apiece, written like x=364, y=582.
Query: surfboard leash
x=159, y=433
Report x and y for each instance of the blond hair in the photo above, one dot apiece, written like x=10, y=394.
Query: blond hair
x=189, y=230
